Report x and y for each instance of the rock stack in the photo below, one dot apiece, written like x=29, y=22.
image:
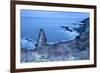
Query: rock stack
x=42, y=41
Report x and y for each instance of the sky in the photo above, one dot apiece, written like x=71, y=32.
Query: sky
x=33, y=20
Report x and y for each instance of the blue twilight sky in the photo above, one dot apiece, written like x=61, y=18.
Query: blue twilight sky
x=51, y=22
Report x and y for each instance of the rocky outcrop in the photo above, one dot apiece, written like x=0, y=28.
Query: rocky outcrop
x=42, y=41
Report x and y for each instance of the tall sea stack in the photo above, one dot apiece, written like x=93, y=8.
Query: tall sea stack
x=42, y=41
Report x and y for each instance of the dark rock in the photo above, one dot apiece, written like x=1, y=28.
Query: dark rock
x=42, y=41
